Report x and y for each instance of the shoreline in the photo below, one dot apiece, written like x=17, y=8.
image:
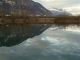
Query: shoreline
x=39, y=20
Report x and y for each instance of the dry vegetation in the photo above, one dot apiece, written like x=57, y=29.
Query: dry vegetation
x=25, y=17
x=41, y=19
x=67, y=19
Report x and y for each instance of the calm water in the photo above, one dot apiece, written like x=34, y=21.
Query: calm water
x=57, y=42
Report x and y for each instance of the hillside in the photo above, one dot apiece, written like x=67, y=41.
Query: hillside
x=23, y=7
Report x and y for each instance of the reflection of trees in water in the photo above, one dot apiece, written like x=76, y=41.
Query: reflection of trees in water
x=13, y=34
x=63, y=26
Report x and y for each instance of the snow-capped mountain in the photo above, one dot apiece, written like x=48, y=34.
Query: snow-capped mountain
x=57, y=11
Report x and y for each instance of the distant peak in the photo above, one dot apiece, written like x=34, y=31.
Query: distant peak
x=57, y=9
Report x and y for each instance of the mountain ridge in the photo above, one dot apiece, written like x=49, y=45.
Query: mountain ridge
x=34, y=8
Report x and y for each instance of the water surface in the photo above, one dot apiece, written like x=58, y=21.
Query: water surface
x=57, y=42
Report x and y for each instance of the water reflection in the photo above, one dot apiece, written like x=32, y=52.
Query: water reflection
x=12, y=34
x=60, y=43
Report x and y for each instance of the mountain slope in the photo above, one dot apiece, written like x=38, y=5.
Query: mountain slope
x=57, y=11
x=19, y=6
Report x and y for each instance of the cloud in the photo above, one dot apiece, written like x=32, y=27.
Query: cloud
x=74, y=9
x=72, y=6
x=57, y=3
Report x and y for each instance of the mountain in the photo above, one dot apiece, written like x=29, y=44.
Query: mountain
x=24, y=6
x=57, y=11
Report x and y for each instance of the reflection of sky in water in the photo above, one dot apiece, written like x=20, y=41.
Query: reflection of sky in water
x=61, y=44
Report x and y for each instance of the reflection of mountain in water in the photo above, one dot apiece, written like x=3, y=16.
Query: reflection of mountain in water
x=14, y=34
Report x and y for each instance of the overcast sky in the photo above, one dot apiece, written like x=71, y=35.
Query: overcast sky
x=72, y=6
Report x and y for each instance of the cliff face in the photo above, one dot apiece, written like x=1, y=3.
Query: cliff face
x=30, y=6
x=14, y=34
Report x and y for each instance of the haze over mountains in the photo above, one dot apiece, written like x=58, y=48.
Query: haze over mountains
x=57, y=11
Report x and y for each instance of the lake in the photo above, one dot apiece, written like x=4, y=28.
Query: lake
x=40, y=42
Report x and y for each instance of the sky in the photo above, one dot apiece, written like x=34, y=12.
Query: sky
x=72, y=6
